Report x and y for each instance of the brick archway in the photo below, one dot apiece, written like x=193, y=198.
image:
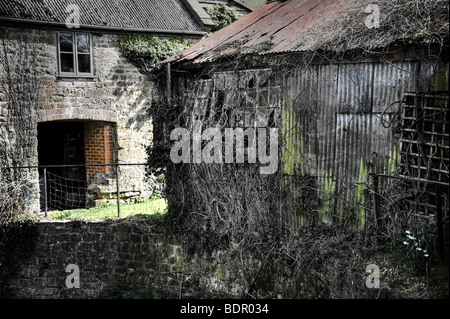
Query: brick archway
x=99, y=147
x=68, y=148
x=99, y=131
x=76, y=113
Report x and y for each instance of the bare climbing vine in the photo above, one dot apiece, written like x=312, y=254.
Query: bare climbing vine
x=232, y=206
x=20, y=89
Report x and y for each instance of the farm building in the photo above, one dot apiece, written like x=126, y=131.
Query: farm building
x=87, y=106
x=358, y=91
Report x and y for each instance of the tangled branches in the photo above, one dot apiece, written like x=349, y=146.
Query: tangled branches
x=16, y=199
x=231, y=206
x=226, y=206
x=407, y=20
x=409, y=207
x=20, y=89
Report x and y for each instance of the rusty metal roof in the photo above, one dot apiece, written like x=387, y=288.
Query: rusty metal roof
x=302, y=25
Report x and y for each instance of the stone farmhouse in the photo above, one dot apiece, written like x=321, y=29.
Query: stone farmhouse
x=86, y=104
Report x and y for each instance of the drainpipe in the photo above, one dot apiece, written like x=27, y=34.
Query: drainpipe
x=169, y=94
x=169, y=85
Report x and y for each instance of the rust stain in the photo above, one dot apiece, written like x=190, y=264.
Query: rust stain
x=276, y=27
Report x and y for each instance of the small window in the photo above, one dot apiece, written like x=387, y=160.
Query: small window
x=75, y=54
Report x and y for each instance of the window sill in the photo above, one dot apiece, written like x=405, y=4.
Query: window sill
x=66, y=76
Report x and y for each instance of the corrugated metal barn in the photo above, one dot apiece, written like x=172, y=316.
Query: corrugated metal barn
x=356, y=88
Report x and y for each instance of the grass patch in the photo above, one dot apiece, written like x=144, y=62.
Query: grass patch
x=407, y=276
x=150, y=207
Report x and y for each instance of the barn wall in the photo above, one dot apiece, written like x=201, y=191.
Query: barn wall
x=338, y=122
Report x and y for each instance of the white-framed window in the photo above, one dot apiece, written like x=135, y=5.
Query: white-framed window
x=75, y=56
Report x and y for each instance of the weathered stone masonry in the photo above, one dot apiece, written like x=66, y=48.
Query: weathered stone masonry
x=105, y=252
x=116, y=99
x=129, y=251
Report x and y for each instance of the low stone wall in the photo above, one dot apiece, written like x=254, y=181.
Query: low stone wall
x=133, y=252
x=104, y=252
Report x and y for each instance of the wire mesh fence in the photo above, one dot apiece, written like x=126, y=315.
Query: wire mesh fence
x=419, y=206
x=64, y=193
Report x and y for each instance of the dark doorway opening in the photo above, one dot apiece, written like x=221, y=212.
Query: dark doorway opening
x=62, y=144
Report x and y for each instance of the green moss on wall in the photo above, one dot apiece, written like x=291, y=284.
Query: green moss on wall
x=360, y=198
x=441, y=80
x=393, y=160
x=329, y=189
x=293, y=146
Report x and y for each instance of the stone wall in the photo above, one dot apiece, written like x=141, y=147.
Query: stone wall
x=117, y=96
x=136, y=253
x=105, y=252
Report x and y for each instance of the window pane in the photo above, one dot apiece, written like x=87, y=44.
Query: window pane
x=66, y=42
x=67, y=62
x=83, y=43
x=84, y=63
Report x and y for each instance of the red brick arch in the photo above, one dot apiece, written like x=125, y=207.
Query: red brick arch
x=99, y=147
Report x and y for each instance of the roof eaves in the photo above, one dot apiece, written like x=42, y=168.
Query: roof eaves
x=15, y=21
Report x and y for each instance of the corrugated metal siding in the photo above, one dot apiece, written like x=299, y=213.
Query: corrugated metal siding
x=327, y=100
x=344, y=114
x=350, y=131
x=337, y=123
x=390, y=81
x=354, y=88
x=164, y=15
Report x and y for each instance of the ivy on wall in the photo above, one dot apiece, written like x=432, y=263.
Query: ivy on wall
x=222, y=16
x=147, y=50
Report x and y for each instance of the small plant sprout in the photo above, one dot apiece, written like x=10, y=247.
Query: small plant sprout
x=417, y=244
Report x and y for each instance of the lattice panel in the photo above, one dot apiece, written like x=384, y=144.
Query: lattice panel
x=425, y=137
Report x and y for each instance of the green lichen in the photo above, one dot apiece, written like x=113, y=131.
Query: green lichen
x=441, y=80
x=394, y=157
x=360, y=198
x=329, y=189
x=293, y=145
